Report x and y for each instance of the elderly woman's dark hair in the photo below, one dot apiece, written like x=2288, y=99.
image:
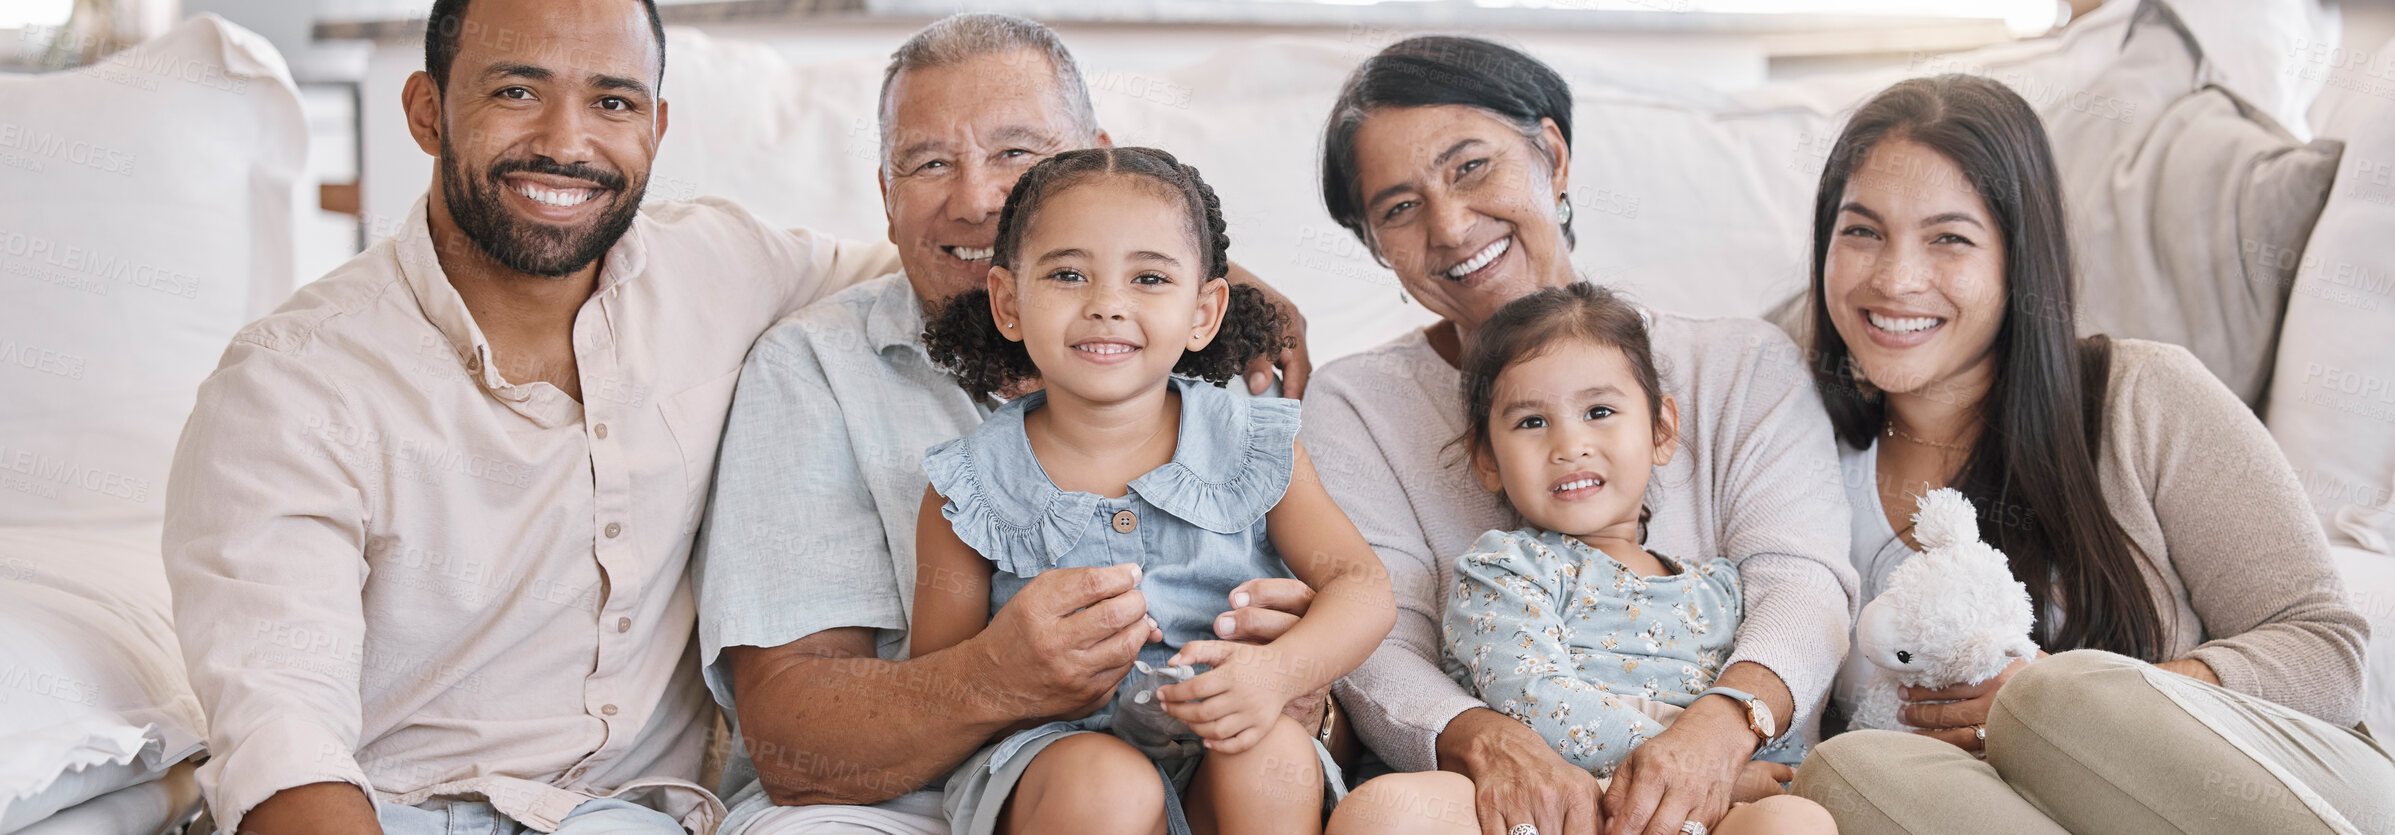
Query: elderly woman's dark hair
x=1435, y=70
x=2032, y=472
x=962, y=337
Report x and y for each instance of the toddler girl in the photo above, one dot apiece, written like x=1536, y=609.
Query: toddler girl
x=1569, y=624
x=1106, y=282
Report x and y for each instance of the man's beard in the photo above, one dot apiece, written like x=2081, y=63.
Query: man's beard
x=526, y=246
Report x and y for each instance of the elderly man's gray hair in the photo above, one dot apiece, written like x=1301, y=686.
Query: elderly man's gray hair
x=958, y=38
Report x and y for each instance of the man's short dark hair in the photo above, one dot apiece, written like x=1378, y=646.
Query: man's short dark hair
x=447, y=25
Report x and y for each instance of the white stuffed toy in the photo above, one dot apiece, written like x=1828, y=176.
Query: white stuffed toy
x=1951, y=615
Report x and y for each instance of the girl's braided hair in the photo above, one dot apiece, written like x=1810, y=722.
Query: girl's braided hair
x=962, y=337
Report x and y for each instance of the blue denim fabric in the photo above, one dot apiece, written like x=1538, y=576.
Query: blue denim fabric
x=443, y=816
x=1198, y=527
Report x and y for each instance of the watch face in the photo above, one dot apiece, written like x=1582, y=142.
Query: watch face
x=1758, y=715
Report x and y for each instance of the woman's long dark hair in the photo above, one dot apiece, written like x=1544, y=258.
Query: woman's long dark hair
x=2032, y=472
x=962, y=337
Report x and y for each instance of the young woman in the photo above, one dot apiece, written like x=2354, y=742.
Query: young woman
x=2209, y=666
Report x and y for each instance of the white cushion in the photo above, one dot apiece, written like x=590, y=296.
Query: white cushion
x=99, y=756
x=148, y=215
x=2332, y=397
x=2175, y=191
x=159, y=806
x=130, y=251
x=92, y=686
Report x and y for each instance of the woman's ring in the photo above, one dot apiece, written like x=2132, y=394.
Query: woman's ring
x=1691, y=828
x=1980, y=731
x=1522, y=829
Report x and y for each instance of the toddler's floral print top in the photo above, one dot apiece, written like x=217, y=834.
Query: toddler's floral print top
x=1555, y=633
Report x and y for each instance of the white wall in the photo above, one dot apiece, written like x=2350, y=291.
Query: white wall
x=396, y=172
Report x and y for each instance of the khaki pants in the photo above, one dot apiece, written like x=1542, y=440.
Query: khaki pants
x=2092, y=742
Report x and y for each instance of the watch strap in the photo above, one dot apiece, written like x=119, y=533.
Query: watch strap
x=1747, y=699
x=1742, y=696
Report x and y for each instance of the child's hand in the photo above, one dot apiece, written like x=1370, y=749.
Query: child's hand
x=1758, y=779
x=1242, y=696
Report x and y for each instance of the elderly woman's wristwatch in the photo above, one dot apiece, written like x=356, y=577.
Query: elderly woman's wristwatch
x=1330, y=719
x=1758, y=714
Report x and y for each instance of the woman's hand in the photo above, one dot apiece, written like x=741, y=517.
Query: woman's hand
x=1686, y=773
x=2194, y=668
x=1234, y=704
x=1261, y=611
x=1957, y=714
x=1517, y=778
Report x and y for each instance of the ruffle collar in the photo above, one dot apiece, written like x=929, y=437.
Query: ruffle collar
x=1230, y=465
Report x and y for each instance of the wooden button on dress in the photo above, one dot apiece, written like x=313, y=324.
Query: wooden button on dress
x=1125, y=521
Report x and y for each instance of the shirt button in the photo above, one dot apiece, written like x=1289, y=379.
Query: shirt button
x=474, y=363
x=613, y=529
x=607, y=709
x=623, y=624
x=1125, y=521
x=578, y=772
x=600, y=430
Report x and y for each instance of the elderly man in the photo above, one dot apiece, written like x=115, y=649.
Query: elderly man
x=806, y=569
x=429, y=527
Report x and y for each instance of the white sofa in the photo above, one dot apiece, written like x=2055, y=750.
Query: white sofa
x=145, y=214
x=1694, y=199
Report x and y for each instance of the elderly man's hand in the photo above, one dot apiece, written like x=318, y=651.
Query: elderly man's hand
x=1293, y=361
x=1062, y=644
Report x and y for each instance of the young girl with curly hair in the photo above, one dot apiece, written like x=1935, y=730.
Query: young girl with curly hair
x=1107, y=290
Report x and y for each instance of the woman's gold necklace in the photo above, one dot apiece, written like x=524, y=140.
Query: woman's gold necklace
x=1894, y=432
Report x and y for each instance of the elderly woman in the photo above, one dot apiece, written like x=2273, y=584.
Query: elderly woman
x=1451, y=158
x=2217, y=668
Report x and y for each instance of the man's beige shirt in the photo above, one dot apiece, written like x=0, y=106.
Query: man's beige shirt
x=395, y=568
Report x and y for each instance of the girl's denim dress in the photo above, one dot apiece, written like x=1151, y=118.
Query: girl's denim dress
x=1195, y=527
